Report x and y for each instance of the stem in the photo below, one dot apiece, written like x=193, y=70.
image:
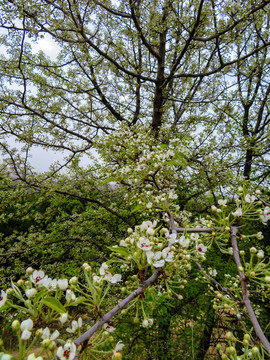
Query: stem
x=140, y=290
x=246, y=300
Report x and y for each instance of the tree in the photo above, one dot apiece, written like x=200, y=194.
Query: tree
x=128, y=62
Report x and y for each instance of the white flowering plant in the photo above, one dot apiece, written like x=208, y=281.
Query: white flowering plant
x=151, y=265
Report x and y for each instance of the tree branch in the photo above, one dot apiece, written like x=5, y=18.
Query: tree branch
x=246, y=300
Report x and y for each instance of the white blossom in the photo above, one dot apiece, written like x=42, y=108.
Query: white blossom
x=63, y=318
x=230, y=250
x=250, y=198
x=27, y=325
x=115, y=278
x=75, y=325
x=260, y=254
x=201, y=249
x=213, y=272
x=68, y=352
x=148, y=224
x=222, y=202
x=70, y=296
x=30, y=293
x=46, y=334
x=144, y=244
x=62, y=284
x=118, y=347
x=194, y=236
x=73, y=280
x=147, y=323
x=5, y=356
x=123, y=243
x=97, y=279
x=167, y=255
x=26, y=334
x=265, y=216
x=172, y=238
x=3, y=298
x=48, y=283
x=109, y=328
x=33, y=357
x=183, y=241
x=154, y=259
x=238, y=212
x=150, y=231
x=38, y=277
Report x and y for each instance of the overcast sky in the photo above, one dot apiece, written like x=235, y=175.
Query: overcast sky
x=41, y=159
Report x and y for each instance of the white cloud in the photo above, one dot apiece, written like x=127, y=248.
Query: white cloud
x=47, y=45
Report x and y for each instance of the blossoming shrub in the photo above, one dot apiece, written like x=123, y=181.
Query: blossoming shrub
x=162, y=276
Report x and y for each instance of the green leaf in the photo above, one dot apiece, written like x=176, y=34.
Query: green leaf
x=54, y=304
x=119, y=250
x=173, y=162
x=41, y=294
x=138, y=207
x=4, y=307
x=179, y=154
x=78, y=301
x=16, y=290
x=163, y=146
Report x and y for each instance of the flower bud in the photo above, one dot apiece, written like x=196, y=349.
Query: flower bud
x=39, y=333
x=10, y=291
x=117, y=355
x=229, y=335
x=29, y=270
x=45, y=343
x=52, y=346
x=20, y=282
x=247, y=337
x=15, y=325
x=231, y=350
x=105, y=334
x=240, y=268
x=253, y=250
x=267, y=279
x=255, y=350
x=242, y=252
